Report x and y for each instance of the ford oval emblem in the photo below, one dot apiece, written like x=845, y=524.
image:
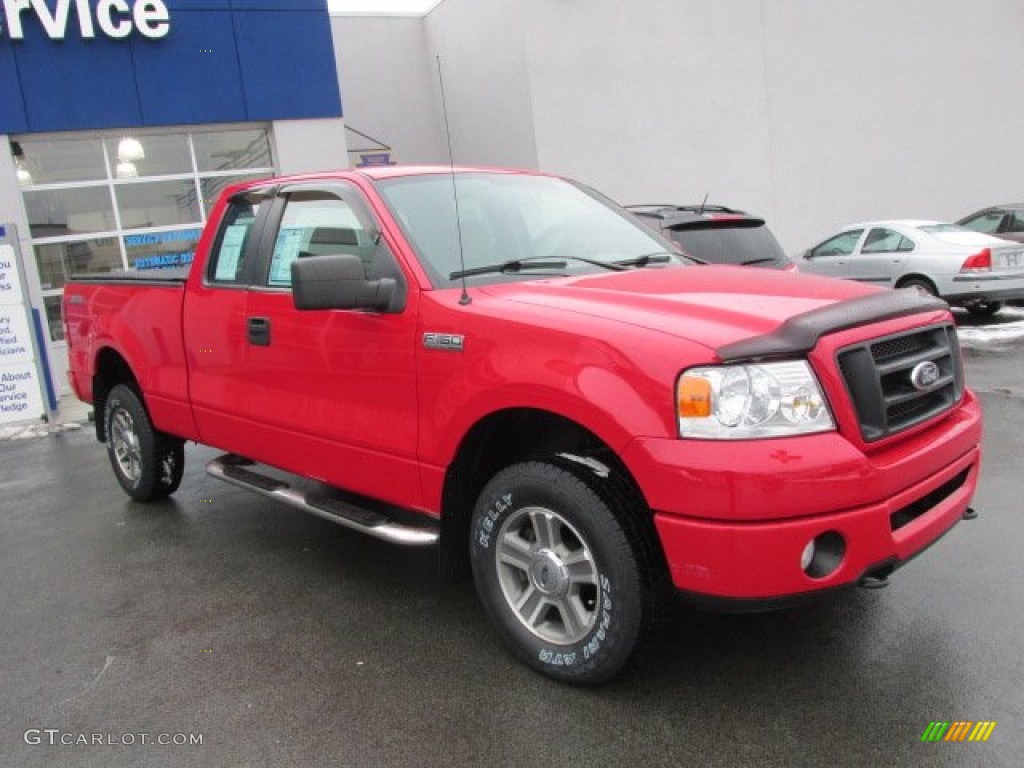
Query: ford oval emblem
x=924, y=375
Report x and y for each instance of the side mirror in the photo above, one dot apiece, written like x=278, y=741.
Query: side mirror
x=338, y=281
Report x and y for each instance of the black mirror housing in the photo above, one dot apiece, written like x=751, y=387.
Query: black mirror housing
x=338, y=282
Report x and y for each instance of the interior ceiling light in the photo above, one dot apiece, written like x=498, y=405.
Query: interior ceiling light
x=24, y=175
x=126, y=170
x=130, y=149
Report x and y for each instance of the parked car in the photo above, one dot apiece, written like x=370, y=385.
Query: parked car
x=1003, y=221
x=964, y=267
x=718, y=235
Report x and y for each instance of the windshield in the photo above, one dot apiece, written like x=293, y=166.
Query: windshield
x=507, y=217
x=732, y=245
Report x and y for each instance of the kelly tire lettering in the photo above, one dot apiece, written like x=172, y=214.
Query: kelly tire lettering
x=556, y=573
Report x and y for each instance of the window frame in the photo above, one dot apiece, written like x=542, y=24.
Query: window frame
x=890, y=232
x=344, y=191
x=253, y=243
x=814, y=254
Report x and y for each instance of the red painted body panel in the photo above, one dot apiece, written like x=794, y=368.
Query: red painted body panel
x=355, y=399
x=143, y=325
x=762, y=560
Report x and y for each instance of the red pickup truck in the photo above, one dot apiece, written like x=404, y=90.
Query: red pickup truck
x=508, y=366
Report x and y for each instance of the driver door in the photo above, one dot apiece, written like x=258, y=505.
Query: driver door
x=333, y=392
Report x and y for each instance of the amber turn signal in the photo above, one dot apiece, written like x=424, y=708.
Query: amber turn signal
x=694, y=395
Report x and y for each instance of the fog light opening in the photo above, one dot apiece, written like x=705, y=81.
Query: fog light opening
x=823, y=555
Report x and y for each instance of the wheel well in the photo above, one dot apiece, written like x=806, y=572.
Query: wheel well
x=111, y=370
x=525, y=434
x=917, y=278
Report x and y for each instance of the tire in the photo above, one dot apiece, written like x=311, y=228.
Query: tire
x=148, y=464
x=984, y=308
x=556, y=573
x=921, y=284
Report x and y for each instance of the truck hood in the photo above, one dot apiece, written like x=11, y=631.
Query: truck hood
x=710, y=305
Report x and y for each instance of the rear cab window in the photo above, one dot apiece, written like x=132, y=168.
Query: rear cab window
x=233, y=248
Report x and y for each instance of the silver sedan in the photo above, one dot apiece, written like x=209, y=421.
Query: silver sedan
x=964, y=267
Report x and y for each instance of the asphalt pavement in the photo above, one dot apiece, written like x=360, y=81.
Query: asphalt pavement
x=279, y=639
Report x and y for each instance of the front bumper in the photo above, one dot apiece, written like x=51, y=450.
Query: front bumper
x=734, y=518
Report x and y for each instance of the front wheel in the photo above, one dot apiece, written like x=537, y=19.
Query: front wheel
x=148, y=464
x=556, y=573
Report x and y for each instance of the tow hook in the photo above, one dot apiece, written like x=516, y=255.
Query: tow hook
x=873, y=582
x=971, y=514
x=878, y=579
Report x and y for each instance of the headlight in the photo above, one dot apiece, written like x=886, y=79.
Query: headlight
x=739, y=402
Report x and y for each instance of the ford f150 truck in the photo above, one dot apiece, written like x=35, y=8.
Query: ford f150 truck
x=508, y=366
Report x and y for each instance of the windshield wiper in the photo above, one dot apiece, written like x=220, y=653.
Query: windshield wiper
x=512, y=265
x=748, y=262
x=658, y=257
x=537, y=262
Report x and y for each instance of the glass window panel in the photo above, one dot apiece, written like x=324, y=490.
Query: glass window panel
x=55, y=161
x=58, y=261
x=316, y=226
x=57, y=212
x=53, y=316
x=149, y=155
x=212, y=187
x=226, y=150
x=227, y=265
x=162, y=250
x=158, y=204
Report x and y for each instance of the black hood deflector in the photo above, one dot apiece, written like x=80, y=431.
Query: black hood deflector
x=800, y=333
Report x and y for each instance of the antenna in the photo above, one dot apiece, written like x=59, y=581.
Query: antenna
x=703, y=203
x=464, y=298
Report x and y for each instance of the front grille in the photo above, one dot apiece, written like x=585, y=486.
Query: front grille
x=879, y=378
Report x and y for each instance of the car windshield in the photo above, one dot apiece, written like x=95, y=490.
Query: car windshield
x=731, y=245
x=507, y=217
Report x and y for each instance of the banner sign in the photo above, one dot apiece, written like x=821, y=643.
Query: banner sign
x=21, y=386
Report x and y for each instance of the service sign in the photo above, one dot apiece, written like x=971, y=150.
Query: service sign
x=116, y=19
x=20, y=387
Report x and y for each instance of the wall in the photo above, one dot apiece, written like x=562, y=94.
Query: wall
x=389, y=82
x=305, y=146
x=483, y=52
x=813, y=113
x=388, y=85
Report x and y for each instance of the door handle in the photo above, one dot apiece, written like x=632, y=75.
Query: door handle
x=259, y=331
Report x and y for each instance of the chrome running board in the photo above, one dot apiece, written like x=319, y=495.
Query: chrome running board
x=235, y=470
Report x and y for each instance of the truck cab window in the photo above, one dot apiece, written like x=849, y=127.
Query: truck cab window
x=228, y=262
x=317, y=224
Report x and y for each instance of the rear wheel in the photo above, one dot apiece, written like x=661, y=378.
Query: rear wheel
x=556, y=573
x=926, y=286
x=147, y=463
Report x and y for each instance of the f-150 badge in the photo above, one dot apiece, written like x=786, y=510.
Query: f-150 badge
x=447, y=341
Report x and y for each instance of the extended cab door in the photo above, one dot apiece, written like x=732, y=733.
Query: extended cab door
x=214, y=327
x=332, y=393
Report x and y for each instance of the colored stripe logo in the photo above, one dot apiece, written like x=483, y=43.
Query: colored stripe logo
x=958, y=730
